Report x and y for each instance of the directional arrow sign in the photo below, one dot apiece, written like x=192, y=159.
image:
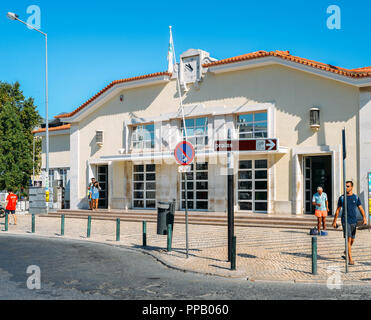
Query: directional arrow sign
x=270, y=144
x=247, y=145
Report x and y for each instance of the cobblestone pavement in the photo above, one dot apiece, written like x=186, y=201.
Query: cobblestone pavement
x=266, y=254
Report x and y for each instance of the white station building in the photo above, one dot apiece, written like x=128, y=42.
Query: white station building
x=125, y=135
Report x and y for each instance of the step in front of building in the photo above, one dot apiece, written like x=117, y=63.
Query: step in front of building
x=197, y=218
x=194, y=214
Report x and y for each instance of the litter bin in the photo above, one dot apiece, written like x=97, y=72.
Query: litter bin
x=165, y=216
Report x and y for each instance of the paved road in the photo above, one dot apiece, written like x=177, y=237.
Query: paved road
x=82, y=270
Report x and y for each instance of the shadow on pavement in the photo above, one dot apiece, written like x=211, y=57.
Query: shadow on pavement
x=294, y=231
x=178, y=250
x=214, y=265
x=308, y=256
x=245, y=255
x=156, y=248
x=301, y=271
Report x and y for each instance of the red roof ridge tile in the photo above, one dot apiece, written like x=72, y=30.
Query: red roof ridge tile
x=365, y=69
x=64, y=127
x=355, y=73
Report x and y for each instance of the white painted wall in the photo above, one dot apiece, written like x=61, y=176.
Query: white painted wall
x=59, y=151
x=364, y=143
x=77, y=194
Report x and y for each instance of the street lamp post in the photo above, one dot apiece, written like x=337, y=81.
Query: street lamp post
x=14, y=17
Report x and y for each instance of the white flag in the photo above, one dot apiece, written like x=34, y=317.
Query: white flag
x=170, y=54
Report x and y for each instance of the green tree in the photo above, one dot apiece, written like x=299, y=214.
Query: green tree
x=18, y=117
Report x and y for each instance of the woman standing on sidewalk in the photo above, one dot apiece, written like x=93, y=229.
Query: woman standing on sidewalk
x=95, y=195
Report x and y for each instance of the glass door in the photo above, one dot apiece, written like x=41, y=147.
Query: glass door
x=102, y=178
x=144, y=190
x=253, y=185
x=308, y=185
x=197, y=187
x=317, y=173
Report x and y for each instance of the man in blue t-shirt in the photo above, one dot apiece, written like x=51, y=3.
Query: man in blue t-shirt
x=353, y=202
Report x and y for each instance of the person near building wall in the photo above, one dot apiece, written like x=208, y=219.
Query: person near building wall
x=95, y=195
x=320, y=203
x=90, y=187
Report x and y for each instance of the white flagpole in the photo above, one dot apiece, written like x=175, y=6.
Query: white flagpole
x=185, y=131
x=178, y=83
x=170, y=55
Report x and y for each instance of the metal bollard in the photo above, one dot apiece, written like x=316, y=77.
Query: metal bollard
x=314, y=255
x=118, y=229
x=169, y=234
x=6, y=221
x=233, y=253
x=144, y=234
x=33, y=224
x=89, y=226
x=62, y=225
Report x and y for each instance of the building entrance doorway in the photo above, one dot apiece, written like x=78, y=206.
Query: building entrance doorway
x=102, y=178
x=317, y=172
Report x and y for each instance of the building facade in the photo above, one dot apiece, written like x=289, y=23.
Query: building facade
x=125, y=135
x=59, y=162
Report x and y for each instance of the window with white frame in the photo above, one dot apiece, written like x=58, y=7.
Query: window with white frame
x=57, y=177
x=144, y=186
x=253, y=185
x=197, y=132
x=253, y=125
x=143, y=137
x=197, y=187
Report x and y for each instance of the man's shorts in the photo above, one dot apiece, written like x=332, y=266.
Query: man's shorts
x=352, y=228
x=10, y=211
x=319, y=213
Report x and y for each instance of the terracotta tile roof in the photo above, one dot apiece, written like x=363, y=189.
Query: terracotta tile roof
x=364, y=69
x=64, y=127
x=152, y=75
x=285, y=55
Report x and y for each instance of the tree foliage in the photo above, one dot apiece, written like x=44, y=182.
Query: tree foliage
x=18, y=118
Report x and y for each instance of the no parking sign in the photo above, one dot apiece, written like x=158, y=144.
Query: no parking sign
x=184, y=153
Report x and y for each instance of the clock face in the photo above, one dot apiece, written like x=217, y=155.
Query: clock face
x=190, y=69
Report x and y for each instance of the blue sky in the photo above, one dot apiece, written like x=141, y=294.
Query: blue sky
x=92, y=43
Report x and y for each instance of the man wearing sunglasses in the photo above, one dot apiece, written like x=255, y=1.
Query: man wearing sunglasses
x=353, y=202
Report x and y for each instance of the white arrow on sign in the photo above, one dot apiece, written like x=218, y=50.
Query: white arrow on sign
x=271, y=144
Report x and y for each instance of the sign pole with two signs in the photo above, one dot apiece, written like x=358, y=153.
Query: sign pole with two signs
x=251, y=145
x=184, y=154
x=230, y=204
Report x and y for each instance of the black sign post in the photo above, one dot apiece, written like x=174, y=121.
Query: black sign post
x=252, y=145
x=345, y=208
x=230, y=201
